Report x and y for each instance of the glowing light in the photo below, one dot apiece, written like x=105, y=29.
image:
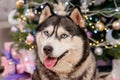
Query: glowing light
x=20, y=39
x=90, y=24
x=66, y=3
x=90, y=44
x=90, y=18
x=93, y=44
x=38, y=12
x=119, y=43
x=107, y=30
x=86, y=17
x=95, y=31
x=55, y=12
x=116, y=10
x=93, y=27
x=32, y=47
x=106, y=46
x=35, y=11
x=115, y=45
x=102, y=40
x=41, y=6
x=97, y=42
x=97, y=45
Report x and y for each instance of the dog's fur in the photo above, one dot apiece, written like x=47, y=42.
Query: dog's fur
x=69, y=44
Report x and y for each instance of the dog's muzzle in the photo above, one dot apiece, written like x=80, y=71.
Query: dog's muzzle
x=48, y=50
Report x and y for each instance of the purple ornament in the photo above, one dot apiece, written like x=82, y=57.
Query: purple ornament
x=89, y=34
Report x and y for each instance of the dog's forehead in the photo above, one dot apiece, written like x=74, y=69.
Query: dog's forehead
x=55, y=22
x=49, y=28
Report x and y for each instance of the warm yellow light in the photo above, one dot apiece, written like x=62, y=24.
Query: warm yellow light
x=93, y=27
x=90, y=24
x=38, y=12
x=105, y=28
x=93, y=44
x=97, y=42
x=115, y=45
x=86, y=17
x=20, y=39
x=106, y=46
x=32, y=47
x=102, y=40
x=97, y=45
x=119, y=43
x=90, y=44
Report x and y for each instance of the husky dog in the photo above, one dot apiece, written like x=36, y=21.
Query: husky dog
x=62, y=48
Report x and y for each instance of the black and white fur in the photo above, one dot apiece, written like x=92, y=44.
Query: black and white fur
x=69, y=44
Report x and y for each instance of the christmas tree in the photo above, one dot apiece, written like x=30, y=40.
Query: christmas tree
x=102, y=21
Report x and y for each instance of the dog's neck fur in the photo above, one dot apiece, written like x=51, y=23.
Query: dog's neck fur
x=83, y=72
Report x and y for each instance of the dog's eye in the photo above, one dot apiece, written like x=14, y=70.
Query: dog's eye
x=46, y=33
x=64, y=36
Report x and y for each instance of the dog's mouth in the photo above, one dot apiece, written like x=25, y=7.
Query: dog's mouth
x=50, y=62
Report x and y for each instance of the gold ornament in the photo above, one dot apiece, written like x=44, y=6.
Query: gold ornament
x=30, y=14
x=116, y=25
x=19, y=3
x=100, y=26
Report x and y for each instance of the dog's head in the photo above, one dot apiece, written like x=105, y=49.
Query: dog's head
x=61, y=42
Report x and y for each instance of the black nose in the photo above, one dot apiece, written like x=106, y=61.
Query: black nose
x=47, y=50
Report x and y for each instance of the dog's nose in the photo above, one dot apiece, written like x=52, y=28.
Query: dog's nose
x=48, y=49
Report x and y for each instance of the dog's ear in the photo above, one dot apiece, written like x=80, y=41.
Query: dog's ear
x=45, y=13
x=76, y=16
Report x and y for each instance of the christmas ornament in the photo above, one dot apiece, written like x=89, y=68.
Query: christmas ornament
x=11, y=19
x=110, y=39
x=89, y=34
x=116, y=34
x=19, y=3
x=14, y=29
x=98, y=51
x=30, y=14
x=20, y=27
x=20, y=67
x=30, y=39
x=100, y=26
x=116, y=25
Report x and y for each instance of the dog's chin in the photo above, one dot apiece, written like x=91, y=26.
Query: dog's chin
x=49, y=61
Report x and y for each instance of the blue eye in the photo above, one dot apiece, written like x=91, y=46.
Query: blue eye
x=63, y=36
x=46, y=33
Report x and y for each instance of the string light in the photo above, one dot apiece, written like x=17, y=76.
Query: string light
x=32, y=47
x=95, y=31
x=102, y=40
x=66, y=3
x=90, y=44
x=106, y=46
x=42, y=6
x=20, y=39
x=86, y=17
x=115, y=46
x=90, y=24
x=90, y=17
x=93, y=27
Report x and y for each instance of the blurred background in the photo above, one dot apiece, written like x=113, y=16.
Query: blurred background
x=102, y=26
x=5, y=8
